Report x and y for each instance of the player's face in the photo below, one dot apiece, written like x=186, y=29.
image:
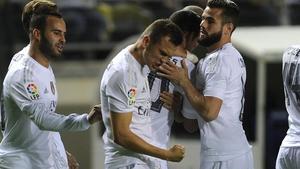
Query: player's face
x=156, y=54
x=53, y=37
x=211, y=26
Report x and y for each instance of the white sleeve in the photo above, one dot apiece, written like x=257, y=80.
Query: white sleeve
x=38, y=110
x=216, y=76
x=121, y=95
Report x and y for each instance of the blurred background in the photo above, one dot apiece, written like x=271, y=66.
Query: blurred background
x=98, y=29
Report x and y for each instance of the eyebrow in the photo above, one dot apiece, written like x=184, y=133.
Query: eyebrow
x=210, y=18
x=57, y=30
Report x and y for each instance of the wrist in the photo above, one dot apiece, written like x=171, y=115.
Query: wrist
x=184, y=82
x=166, y=155
x=89, y=119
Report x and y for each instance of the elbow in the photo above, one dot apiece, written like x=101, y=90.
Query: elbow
x=209, y=119
x=120, y=139
x=210, y=116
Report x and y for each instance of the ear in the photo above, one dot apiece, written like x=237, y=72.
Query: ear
x=228, y=28
x=36, y=34
x=145, y=41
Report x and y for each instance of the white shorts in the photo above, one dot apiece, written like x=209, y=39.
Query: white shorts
x=130, y=166
x=161, y=164
x=288, y=158
x=245, y=161
x=148, y=163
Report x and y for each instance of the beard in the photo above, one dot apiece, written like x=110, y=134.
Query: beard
x=211, y=39
x=46, y=48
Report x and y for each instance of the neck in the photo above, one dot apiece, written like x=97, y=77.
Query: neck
x=37, y=55
x=218, y=45
x=136, y=52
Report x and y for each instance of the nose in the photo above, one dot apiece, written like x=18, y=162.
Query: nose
x=203, y=25
x=63, y=38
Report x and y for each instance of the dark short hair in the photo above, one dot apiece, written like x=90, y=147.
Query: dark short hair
x=161, y=28
x=197, y=9
x=187, y=21
x=231, y=10
x=39, y=17
x=35, y=6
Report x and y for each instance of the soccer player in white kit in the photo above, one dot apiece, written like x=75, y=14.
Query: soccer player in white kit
x=161, y=88
x=125, y=99
x=218, y=95
x=30, y=137
x=289, y=152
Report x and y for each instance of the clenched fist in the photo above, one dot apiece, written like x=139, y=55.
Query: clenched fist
x=176, y=153
x=95, y=114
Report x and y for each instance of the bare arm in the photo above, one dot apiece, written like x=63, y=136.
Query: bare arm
x=208, y=107
x=126, y=138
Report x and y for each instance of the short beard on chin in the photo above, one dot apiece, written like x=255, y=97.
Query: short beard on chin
x=45, y=48
x=210, y=40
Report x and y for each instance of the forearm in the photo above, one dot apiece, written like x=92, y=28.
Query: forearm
x=197, y=100
x=133, y=142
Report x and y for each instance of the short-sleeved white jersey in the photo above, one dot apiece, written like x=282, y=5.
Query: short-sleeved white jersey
x=124, y=88
x=162, y=118
x=291, y=81
x=30, y=97
x=222, y=74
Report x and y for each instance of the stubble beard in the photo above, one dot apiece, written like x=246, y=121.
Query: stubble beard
x=211, y=39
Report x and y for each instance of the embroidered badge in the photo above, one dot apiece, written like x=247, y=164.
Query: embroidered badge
x=131, y=96
x=32, y=91
x=212, y=65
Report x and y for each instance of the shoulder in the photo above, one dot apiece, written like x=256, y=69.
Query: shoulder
x=21, y=70
x=116, y=72
x=229, y=50
x=229, y=56
x=291, y=52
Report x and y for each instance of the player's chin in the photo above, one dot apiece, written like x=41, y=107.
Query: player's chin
x=56, y=54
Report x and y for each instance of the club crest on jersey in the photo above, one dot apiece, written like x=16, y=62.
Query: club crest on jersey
x=131, y=96
x=52, y=87
x=32, y=91
x=212, y=64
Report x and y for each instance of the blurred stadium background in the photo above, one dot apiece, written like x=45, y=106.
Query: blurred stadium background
x=97, y=29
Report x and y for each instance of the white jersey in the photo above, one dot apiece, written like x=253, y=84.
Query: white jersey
x=291, y=81
x=224, y=74
x=30, y=97
x=162, y=118
x=124, y=88
x=187, y=109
